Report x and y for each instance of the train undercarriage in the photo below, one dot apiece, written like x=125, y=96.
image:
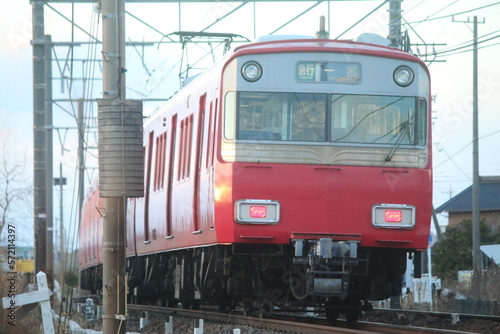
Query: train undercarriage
x=335, y=276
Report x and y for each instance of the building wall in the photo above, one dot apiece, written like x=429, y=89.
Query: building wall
x=490, y=218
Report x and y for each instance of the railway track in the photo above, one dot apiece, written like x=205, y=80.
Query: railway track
x=291, y=324
x=444, y=315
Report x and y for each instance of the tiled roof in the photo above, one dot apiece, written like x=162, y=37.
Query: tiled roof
x=489, y=197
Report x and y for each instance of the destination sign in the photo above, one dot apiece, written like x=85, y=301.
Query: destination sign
x=329, y=72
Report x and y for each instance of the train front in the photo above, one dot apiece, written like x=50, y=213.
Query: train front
x=325, y=173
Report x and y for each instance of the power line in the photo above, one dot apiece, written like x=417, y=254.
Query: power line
x=479, y=48
x=470, y=41
x=429, y=17
x=463, y=148
x=455, y=14
x=440, y=53
x=455, y=164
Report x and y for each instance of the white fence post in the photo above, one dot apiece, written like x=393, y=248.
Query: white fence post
x=169, y=325
x=41, y=296
x=144, y=320
x=198, y=327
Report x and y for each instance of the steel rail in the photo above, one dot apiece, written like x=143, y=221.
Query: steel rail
x=292, y=324
x=449, y=315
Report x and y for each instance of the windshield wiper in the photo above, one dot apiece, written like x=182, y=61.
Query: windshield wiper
x=398, y=142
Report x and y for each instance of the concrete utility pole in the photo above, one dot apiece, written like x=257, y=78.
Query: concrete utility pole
x=476, y=211
x=42, y=144
x=476, y=219
x=121, y=163
x=395, y=23
x=40, y=211
x=49, y=166
x=113, y=248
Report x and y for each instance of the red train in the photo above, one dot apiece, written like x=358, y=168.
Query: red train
x=295, y=172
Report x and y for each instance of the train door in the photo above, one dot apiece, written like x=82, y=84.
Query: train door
x=131, y=226
x=170, y=159
x=198, y=165
x=209, y=164
x=149, y=161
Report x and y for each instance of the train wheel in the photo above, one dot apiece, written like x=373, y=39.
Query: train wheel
x=226, y=307
x=163, y=301
x=247, y=306
x=331, y=314
x=266, y=308
x=167, y=300
x=297, y=281
x=185, y=304
x=352, y=316
x=247, y=310
x=194, y=305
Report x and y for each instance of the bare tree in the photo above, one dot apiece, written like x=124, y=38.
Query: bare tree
x=14, y=187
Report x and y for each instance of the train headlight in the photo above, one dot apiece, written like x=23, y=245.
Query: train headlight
x=251, y=71
x=403, y=76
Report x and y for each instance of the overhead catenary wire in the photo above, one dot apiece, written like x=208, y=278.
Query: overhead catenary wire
x=364, y=17
x=455, y=164
x=464, y=148
x=463, y=48
x=430, y=18
x=460, y=48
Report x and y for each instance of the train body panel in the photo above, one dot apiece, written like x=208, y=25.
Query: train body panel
x=90, y=241
x=179, y=174
x=305, y=158
x=333, y=200
x=90, y=249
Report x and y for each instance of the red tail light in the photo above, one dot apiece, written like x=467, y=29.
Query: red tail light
x=393, y=216
x=397, y=216
x=258, y=212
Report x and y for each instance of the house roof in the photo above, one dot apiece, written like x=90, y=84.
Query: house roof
x=492, y=252
x=489, y=197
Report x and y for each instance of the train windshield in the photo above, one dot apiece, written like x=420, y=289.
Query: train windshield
x=320, y=118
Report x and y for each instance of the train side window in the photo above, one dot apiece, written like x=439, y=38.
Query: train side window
x=214, y=141
x=160, y=161
x=149, y=161
x=157, y=161
x=185, y=146
x=186, y=136
x=189, y=144
x=148, y=184
x=180, y=165
x=163, y=159
x=421, y=122
x=171, y=175
x=229, y=115
x=211, y=135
